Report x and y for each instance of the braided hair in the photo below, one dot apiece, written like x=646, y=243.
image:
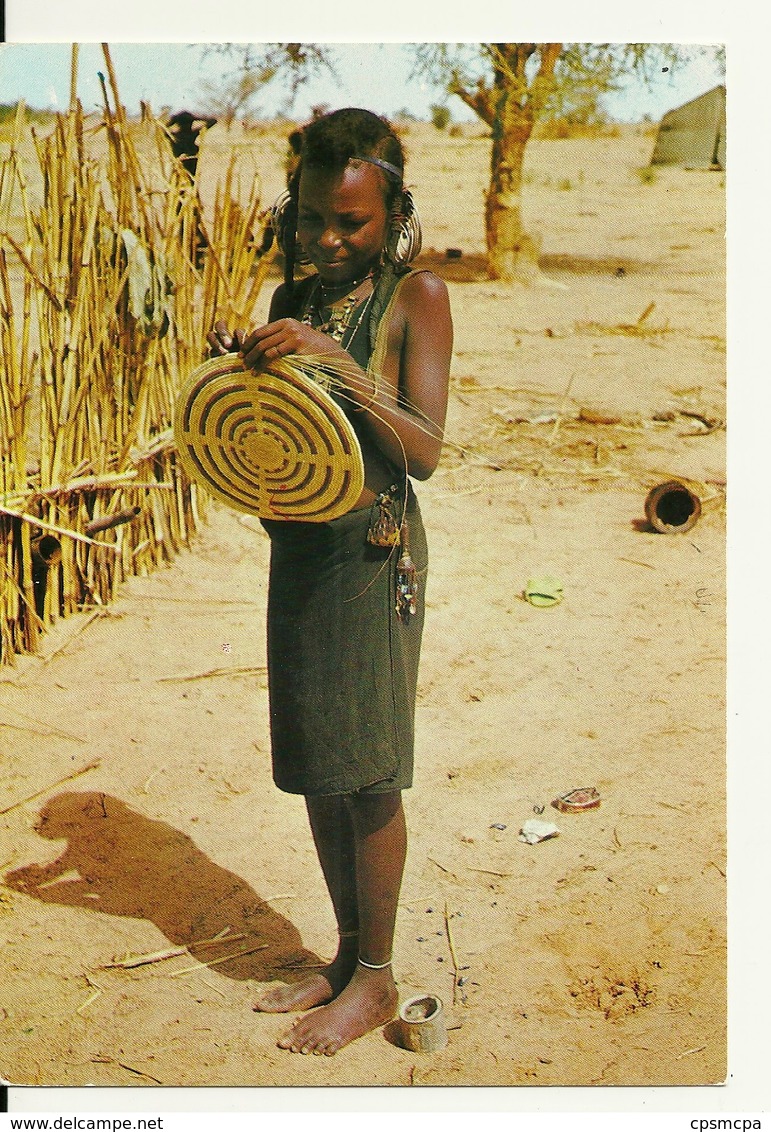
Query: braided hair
x=330, y=143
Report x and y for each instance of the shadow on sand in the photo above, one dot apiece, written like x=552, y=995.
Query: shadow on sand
x=119, y=862
x=472, y=268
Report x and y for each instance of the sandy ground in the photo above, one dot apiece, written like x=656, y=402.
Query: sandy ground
x=596, y=957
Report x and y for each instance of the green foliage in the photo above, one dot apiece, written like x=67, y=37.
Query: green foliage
x=548, y=80
x=440, y=117
x=8, y=113
x=647, y=175
x=560, y=129
x=555, y=129
x=514, y=88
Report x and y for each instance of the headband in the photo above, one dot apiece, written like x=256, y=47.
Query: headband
x=386, y=165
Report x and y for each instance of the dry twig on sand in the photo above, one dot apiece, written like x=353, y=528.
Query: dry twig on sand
x=173, y=952
x=125, y=1065
x=91, y=998
x=222, y=959
x=92, y=616
x=51, y=786
x=451, y=944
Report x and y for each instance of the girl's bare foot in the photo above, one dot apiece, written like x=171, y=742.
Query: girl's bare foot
x=368, y=1001
x=319, y=987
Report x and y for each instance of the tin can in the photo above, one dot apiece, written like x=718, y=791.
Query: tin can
x=672, y=508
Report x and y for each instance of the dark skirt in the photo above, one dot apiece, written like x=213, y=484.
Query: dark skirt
x=342, y=663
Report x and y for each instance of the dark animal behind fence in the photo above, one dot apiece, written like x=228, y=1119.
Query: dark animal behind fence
x=184, y=130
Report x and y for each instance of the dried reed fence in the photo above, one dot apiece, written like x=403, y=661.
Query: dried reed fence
x=111, y=273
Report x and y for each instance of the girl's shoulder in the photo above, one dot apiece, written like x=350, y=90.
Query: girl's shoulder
x=421, y=285
x=422, y=292
x=420, y=281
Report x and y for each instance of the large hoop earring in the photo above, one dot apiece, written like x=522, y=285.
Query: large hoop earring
x=404, y=237
x=283, y=221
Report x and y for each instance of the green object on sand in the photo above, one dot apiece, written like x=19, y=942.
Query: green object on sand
x=543, y=591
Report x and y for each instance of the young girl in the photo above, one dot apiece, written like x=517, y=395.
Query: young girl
x=344, y=619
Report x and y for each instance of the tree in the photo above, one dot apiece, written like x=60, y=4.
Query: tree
x=252, y=65
x=511, y=86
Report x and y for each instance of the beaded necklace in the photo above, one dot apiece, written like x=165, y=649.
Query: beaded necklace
x=340, y=312
x=340, y=320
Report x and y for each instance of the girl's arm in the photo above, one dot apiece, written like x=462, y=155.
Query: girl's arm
x=405, y=408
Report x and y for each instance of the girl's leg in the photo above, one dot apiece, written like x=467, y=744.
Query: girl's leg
x=380, y=838
x=370, y=997
x=333, y=835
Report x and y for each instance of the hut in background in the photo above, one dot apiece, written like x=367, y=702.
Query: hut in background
x=694, y=134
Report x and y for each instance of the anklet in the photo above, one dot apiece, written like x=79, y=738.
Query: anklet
x=374, y=966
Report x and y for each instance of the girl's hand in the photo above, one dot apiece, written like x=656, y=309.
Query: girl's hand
x=221, y=341
x=285, y=336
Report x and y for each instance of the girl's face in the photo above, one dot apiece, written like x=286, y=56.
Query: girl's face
x=342, y=221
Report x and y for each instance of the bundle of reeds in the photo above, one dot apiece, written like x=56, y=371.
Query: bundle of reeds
x=19, y=622
x=110, y=276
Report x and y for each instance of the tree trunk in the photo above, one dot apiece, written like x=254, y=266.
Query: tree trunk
x=512, y=255
x=514, y=104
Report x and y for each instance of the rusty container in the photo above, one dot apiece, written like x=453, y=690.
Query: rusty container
x=672, y=508
x=421, y=1024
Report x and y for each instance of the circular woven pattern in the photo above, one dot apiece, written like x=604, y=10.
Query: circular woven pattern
x=272, y=444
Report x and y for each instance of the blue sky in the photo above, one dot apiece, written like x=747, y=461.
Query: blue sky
x=375, y=75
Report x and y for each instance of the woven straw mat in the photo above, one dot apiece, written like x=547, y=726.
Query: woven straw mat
x=275, y=445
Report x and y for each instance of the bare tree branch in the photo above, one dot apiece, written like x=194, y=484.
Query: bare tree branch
x=511, y=87
x=252, y=66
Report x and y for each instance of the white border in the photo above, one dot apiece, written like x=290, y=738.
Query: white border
x=745, y=32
